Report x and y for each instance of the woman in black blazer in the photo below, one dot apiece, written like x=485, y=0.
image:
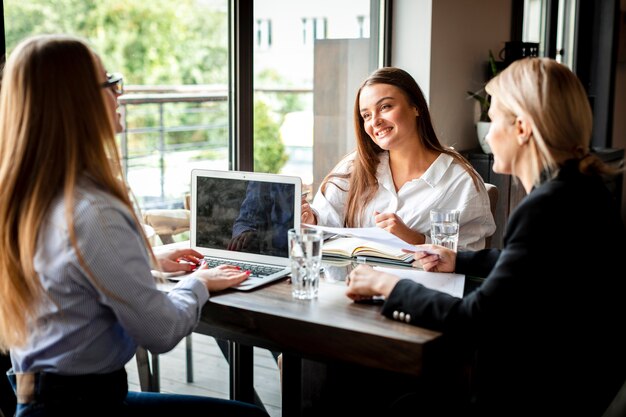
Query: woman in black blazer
x=548, y=322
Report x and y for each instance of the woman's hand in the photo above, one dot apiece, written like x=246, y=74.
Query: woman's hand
x=220, y=277
x=434, y=258
x=177, y=260
x=394, y=225
x=308, y=215
x=365, y=282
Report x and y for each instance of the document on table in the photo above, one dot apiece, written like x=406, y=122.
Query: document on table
x=374, y=234
x=450, y=283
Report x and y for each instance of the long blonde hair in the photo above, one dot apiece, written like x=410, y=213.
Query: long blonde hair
x=362, y=176
x=55, y=128
x=555, y=101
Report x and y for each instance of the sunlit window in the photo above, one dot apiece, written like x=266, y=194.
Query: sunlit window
x=263, y=31
x=174, y=59
x=305, y=86
x=309, y=58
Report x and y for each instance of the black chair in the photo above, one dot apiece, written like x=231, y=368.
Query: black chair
x=492, y=192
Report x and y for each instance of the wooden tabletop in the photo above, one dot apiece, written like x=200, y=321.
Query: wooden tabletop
x=329, y=328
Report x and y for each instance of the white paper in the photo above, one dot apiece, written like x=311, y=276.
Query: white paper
x=450, y=283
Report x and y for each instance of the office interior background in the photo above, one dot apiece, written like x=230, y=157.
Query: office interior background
x=269, y=85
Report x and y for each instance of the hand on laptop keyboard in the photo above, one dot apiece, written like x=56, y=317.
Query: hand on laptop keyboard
x=179, y=260
x=221, y=277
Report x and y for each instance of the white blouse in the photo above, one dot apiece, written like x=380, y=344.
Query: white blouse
x=445, y=184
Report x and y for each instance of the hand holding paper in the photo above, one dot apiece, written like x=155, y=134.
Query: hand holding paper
x=435, y=258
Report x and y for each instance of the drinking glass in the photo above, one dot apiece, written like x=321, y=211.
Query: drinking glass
x=305, y=254
x=444, y=227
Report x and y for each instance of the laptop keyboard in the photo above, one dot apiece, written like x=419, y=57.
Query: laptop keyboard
x=255, y=270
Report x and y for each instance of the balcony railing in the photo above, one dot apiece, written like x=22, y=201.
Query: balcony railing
x=171, y=129
x=162, y=122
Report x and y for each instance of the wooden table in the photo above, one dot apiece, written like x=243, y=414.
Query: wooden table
x=329, y=329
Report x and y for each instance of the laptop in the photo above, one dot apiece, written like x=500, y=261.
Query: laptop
x=242, y=218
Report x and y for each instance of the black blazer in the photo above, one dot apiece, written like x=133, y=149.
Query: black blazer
x=548, y=322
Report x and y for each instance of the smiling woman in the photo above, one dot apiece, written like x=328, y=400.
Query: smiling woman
x=400, y=170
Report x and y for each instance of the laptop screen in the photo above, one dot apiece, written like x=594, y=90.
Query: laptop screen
x=244, y=214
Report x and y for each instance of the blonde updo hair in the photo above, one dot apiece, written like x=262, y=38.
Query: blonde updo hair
x=552, y=97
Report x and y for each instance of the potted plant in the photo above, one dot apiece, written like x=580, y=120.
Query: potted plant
x=484, y=101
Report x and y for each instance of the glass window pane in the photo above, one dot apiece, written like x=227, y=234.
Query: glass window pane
x=534, y=23
x=174, y=59
x=565, y=32
x=305, y=83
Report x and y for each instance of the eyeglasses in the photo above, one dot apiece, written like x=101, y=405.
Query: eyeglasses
x=114, y=81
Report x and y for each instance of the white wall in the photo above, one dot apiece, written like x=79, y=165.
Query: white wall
x=445, y=45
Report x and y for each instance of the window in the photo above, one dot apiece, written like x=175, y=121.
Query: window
x=263, y=30
x=555, y=40
x=533, y=24
x=361, y=24
x=565, y=32
x=186, y=104
x=174, y=59
x=304, y=88
x=313, y=28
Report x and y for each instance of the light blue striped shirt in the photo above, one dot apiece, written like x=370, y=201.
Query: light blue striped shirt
x=87, y=328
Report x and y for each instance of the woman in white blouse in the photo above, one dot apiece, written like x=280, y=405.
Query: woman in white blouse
x=399, y=170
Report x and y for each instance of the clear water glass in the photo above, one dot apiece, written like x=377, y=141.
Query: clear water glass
x=444, y=227
x=305, y=254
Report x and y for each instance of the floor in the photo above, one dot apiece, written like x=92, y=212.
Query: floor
x=211, y=373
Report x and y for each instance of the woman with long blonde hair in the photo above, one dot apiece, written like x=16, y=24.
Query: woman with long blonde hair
x=399, y=170
x=76, y=290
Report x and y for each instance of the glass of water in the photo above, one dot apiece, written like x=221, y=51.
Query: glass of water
x=305, y=254
x=444, y=227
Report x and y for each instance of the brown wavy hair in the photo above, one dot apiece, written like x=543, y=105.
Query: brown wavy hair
x=56, y=128
x=362, y=176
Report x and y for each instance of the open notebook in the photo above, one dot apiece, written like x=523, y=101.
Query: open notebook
x=242, y=218
x=355, y=247
x=366, y=243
